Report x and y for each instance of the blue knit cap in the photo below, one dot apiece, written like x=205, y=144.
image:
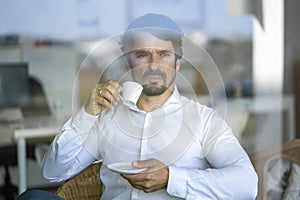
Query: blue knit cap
x=153, y=20
x=159, y=25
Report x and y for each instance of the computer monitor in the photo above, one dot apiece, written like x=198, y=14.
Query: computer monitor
x=14, y=85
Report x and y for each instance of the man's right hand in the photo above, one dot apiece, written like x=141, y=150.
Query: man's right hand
x=103, y=96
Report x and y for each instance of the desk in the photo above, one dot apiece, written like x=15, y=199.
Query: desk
x=18, y=132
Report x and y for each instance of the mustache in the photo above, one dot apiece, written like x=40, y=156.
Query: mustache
x=155, y=73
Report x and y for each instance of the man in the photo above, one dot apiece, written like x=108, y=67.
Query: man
x=188, y=150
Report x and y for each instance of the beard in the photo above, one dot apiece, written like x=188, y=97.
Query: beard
x=157, y=85
x=154, y=89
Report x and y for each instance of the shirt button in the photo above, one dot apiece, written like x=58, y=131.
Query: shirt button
x=134, y=194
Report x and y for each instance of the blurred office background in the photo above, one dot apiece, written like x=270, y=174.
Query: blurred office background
x=254, y=45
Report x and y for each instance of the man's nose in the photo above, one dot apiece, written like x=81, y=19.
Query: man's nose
x=154, y=62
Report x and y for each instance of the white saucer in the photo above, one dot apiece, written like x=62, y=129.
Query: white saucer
x=125, y=168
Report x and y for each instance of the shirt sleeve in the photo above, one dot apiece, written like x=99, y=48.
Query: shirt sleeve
x=231, y=175
x=68, y=153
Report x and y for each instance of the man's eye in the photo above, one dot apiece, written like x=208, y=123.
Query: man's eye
x=141, y=55
x=165, y=54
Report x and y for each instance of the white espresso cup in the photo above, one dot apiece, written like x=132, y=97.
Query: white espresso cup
x=131, y=92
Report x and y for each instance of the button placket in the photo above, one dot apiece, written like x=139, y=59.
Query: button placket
x=144, y=138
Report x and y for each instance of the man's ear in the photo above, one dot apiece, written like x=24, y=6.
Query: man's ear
x=127, y=64
x=177, y=64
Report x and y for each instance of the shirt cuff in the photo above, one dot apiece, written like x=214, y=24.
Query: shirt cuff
x=177, y=183
x=84, y=121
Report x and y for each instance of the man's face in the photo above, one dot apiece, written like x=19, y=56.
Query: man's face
x=152, y=63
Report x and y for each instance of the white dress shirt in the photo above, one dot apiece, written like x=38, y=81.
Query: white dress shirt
x=205, y=159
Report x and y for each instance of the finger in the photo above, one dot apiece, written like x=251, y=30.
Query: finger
x=135, y=179
x=142, y=181
x=115, y=93
x=104, y=93
x=106, y=104
x=104, y=101
x=139, y=177
x=100, y=98
x=112, y=87
x=115, y=85
x=150, y=163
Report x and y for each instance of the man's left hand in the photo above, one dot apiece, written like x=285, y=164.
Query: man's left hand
x=154, y=178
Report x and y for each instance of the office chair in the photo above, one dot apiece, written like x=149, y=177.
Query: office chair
x=38, y=106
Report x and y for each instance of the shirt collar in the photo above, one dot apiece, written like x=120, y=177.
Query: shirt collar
x=173, y=99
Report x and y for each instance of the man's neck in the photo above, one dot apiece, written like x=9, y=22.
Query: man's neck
x=150, y=103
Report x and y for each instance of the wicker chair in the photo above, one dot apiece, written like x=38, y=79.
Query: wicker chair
x=289, y=151
x=85, y=185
